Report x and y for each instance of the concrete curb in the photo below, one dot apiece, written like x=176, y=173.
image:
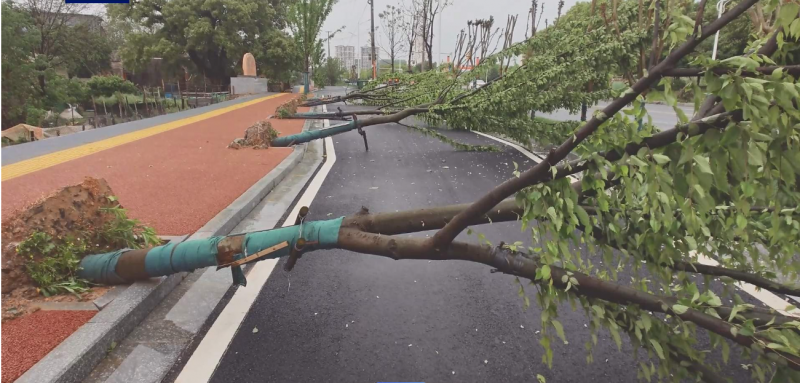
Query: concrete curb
x=77, y=356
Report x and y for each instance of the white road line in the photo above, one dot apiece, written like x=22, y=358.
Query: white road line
x=765, y=296
x=519, y=148
x=209, y=352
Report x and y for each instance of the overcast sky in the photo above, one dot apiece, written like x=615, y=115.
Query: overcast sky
x=354, y=15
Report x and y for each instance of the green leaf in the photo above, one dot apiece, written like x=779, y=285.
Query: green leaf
x=734, y=311
x=559, y=330
x=551, y=211
x=583, y=217
x=726, y=351
x=715, y=301
x=741, y=221
x=661, y=159
x=546, y=272
x=646, y=322
x=691, y=243
x=679, y=309
x=754, y=155
x=615, y=334
x=636, y=161
x=702, y=163
x=657, y=347
x=787, y=14
x=540, y=378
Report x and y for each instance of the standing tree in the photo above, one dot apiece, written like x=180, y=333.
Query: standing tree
x=277, y=56
x=209, y=37
x=333, y=71
x=41, y=40
x=429, y=9
x=19, y=40
x=305, y=20
x=648, y=231
x=68, y=41
x=392, y=20
x=410, y=27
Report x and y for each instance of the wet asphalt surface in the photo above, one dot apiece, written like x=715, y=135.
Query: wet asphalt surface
x=347, y=317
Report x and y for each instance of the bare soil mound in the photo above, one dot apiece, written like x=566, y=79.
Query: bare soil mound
x=71, y=211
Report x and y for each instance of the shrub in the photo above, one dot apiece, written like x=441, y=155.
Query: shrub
x=77, y=91
x=108, y=85
x=35, y=116
x=121, y=231
x=53, y=263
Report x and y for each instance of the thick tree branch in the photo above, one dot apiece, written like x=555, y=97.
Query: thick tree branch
x=534, y=175
x=413, y=221
x=655, y=141
x=753, y=279
x=654, y=45
x=513, y=263
x=709, y=106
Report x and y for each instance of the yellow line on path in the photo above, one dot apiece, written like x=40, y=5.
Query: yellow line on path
x=51, y=159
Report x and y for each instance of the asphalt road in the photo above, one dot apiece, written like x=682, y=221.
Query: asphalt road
x=342, y=316
x=664, y=116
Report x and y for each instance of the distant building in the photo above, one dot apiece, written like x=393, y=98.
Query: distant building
x=346, y=54
x=418, y=48
x=366, y=59
x=91, y=21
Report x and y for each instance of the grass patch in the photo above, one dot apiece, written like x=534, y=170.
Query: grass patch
x=53, y=263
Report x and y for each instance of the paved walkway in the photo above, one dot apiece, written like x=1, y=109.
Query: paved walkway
x=172, y=172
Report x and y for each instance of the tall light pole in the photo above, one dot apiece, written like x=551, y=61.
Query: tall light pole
x=372, y=33
x=329, y=44
x=441, y=14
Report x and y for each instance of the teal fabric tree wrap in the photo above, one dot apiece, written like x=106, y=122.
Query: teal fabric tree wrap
x=312, y=135
x=196, y=254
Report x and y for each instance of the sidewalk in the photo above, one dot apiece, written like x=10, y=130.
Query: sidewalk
x=174, y=176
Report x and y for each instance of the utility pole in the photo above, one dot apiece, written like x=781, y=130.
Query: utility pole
x=372, y=33
x=329, y=44
x=441, y=14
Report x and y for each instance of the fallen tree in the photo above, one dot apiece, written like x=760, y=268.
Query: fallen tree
x=722, y=186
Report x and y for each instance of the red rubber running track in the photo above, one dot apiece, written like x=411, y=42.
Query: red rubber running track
x=175, y=181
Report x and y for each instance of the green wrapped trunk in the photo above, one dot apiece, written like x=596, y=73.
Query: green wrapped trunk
x=126, y=265
x=312, y=135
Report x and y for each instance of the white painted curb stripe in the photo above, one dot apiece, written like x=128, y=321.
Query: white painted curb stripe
x=209, y=352
x=765, y=296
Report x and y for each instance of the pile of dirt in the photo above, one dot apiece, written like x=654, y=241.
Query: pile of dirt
x=258, y=136
x=288, y=108
x=71, y=211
